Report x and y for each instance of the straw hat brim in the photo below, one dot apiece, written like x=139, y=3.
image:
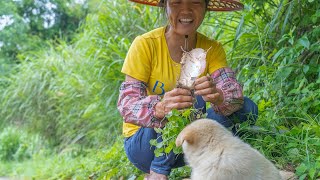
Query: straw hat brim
x=213, y=5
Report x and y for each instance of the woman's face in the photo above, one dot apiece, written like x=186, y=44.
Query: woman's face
x=185, y=16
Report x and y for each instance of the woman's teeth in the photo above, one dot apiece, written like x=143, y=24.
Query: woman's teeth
x=185, y=21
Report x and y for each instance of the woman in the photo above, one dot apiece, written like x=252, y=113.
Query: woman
x=152, y=68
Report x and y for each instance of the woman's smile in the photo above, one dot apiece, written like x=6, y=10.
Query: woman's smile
x=185, y=21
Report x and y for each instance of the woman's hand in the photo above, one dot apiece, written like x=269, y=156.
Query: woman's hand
x=206, y=88
x=177, y=98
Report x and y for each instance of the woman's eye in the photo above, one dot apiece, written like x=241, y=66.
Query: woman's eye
x=176, y=2
x=196, y=2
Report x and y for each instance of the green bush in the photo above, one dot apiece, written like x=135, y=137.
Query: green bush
x=274, y=47
x=68, y=93
x=18, y=145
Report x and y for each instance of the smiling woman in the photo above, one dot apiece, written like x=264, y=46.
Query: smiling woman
x=152, y=68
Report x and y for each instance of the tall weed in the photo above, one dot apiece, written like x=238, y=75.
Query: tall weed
x=17, y=145
x=69, y=92
x=276, y=53
x=274, y=47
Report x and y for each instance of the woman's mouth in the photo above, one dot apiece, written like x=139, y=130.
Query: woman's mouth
x=185, y=21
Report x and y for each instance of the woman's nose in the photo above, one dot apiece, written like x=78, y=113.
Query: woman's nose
x=186, y=4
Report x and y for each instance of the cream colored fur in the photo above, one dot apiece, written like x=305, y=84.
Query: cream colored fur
x=215, y=154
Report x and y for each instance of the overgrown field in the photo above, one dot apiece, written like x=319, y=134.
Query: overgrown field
x=58, y=115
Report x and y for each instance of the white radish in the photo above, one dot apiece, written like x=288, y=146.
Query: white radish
x=193, y=64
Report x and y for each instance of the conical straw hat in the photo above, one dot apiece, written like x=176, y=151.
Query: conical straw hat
x=213, y=5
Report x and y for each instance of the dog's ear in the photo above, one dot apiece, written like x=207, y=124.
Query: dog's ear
x=185, y=135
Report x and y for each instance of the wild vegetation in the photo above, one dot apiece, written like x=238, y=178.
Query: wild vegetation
x=58, y=115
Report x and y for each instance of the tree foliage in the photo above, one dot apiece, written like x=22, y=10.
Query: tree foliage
x=27, y=24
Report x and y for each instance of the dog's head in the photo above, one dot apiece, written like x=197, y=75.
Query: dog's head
x=200, y=132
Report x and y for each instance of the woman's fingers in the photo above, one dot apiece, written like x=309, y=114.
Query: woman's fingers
x=179, y=91
x=177, y=98
x=180, y=105
x=179, y=95
x=206, y=91
x=206, y=88
x=202, y=80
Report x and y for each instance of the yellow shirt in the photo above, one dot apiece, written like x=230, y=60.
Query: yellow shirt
x=149, y=60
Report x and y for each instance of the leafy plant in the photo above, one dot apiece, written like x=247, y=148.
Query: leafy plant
x=32, y=22
x=177, y=120
x=17, y=145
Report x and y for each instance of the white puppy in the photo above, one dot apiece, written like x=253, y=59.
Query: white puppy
x=214, y=153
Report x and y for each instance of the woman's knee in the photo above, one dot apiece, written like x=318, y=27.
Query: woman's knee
x=138, y=149
x=249, y=112
x=225, y=121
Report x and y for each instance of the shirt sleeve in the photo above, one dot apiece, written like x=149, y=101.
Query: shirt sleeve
x=231, y=89
x=216, y=57
x=138, y=60
x=136, y=107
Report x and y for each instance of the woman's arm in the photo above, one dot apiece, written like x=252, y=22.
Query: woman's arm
x=231, y=91
x=222, y=90
x=136, y=107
